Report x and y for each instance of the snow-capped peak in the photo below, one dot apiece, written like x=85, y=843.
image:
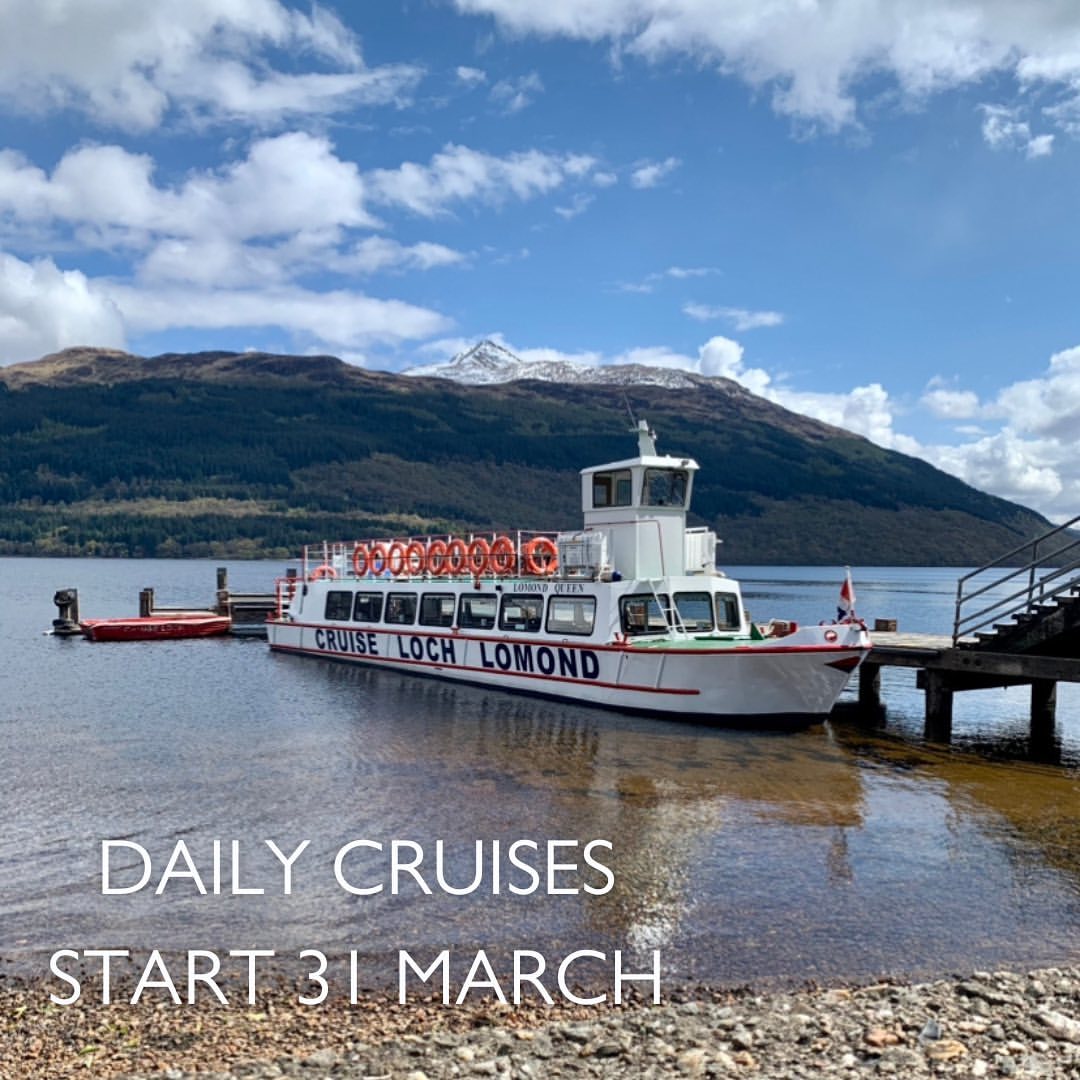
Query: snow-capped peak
x=487, y=363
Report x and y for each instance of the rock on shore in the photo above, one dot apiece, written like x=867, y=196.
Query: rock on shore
x=986, y=1025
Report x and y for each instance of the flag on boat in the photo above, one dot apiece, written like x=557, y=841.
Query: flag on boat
x=845, y=611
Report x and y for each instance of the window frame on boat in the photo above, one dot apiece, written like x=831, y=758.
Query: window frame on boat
x=700, y=596
x=522, y=624
x=573, y=625
x=440, y=617
x=617, y=487
x=466, y=620
x=732, y=619
x=654, y=492
x=661, y=602
x=374, y=598
x=395, y=598
x=341, y=601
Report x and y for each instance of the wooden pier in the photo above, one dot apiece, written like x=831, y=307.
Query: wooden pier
x=247, y=611
x=945, y=669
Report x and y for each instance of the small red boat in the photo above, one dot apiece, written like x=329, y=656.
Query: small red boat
x=155, y=627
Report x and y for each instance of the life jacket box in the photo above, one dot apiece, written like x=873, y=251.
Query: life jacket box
x=700, y=551
x=582, y=554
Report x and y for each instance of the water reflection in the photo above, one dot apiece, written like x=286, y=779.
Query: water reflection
x=831, y=852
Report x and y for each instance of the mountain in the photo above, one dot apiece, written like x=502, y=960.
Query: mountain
x=487, y=363
x=219, y=453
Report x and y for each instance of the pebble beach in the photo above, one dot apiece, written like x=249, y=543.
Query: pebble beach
x=984, y=1024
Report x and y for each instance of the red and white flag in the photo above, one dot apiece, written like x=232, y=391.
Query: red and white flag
x=845, y=612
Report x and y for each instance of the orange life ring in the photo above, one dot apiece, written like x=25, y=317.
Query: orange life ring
x=415, y=558
x=541, y=556
x=395, y=558
x=436, y=558
x=503, y=557
x=477, y=556
x=377, y=552
x=324, y=571
x=361, y=560
x=457, y=556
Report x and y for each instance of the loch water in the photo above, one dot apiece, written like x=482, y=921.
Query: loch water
x=843, y=851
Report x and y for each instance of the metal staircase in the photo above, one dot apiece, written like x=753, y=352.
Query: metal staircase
x=1029, y=608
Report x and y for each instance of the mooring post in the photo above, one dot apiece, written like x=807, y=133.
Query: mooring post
x=869, y=687
x=223, y=590
x=1043, y=707
x=146, y=603
x=939, y=695
x=66, y=623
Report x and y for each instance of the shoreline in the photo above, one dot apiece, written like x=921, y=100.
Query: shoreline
x=982, y=1024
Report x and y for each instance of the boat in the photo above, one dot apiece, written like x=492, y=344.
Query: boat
x=629, y=612
x=156, y=627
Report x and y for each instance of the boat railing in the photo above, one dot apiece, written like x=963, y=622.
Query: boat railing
x=433, y=557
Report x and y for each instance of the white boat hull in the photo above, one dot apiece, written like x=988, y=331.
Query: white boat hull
x=796, y=679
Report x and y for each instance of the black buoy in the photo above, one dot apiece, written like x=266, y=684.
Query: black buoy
x=66, y=623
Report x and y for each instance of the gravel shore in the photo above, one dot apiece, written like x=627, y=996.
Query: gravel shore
x=988, y=1024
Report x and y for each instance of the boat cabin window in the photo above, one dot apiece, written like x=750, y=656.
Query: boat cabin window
x=476, y=611
x=571, y=615
x=612, y=488
x=437, y=609
x=727, y=612
x=522, y=612
x=338, y=604
x=664, y=487
x=695, y=611
x=401, y=608
x=367, y=607
x=643, y=615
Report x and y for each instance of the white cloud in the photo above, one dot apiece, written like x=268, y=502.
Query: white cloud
x=285, y=184
x=579, y=203
x=470, y=76
x=682, y=272
x=1002, y=130
x=44, y=308
x=950, y=404
x=457, y=174
x=131, y=64
x=741, y=318
x=376, y=253
x=816, y=57
x=513, y=95
x=649, y=173
x=1022, y=470
x=335, y=319
x=604, y=179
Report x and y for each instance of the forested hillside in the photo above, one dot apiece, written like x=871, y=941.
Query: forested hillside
x=223, y=454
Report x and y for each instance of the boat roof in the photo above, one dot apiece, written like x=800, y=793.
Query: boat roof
x=649, y=461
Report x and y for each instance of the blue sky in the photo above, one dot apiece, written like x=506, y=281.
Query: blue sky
x=866, y=211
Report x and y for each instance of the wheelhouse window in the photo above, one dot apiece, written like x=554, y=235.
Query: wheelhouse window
x=437, y=609
x=401, y=609
x=612, y=488
x=571, y=615
x=643, y=615
x=476, y=611
x=367, y=607
x=338, y=604
x=695, y=611
x=665, y=487
x=521, y=612
x=727, y=612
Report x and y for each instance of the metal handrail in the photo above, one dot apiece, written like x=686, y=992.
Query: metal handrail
x=1035, y=591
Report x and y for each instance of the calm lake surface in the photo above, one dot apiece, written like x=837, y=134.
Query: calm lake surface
x=841, y=851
